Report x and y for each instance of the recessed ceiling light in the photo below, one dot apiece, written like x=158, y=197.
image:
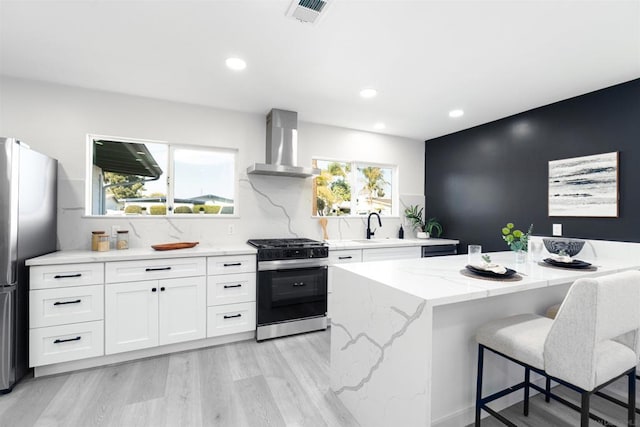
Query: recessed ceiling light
x=236, y=64
x=368, y=93
x=379, y=126
x=456, y=113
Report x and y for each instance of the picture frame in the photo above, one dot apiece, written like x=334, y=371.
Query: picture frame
x=585, y=186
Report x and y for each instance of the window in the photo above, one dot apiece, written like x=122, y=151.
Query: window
x=135, y=177
x=354, y=188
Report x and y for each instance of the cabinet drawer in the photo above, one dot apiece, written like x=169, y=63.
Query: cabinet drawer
x=341, y=257
x=231, y=288
x=231, y=264
x=50, y=307
x=55, y=276
x=57, y=344
x=231, y=319
x=130, y=271
x=382, y=254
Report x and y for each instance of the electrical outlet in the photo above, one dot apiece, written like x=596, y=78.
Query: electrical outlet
x=232, y=229
x=114, y=230
x=557, y=229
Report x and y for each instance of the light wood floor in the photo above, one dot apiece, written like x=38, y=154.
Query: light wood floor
x=555, y=414
x=282, y=382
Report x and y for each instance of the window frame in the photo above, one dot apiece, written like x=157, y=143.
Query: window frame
x=353, y=179
x=168, y=177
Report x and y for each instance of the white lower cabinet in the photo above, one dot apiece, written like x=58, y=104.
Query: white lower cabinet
x=87, y=310
x=231, y=295
x=154, y=312
x=345, y=256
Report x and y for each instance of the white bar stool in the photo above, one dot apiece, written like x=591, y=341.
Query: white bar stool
x=580, y=349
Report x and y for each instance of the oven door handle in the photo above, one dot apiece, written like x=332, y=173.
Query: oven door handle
x=289, y=265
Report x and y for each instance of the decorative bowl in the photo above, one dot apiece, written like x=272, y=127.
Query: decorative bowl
x=570, y=246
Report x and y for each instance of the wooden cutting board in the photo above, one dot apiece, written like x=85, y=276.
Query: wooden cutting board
x=323, y=224
x=172, y=246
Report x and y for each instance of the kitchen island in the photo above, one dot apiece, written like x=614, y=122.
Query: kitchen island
x=403, y=350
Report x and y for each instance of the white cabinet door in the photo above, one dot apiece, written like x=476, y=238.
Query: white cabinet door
x=131, y=316
x=183, y=309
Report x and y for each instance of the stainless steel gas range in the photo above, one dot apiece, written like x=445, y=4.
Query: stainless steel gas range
x=291, y=286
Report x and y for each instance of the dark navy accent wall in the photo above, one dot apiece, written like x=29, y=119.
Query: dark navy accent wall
x=479, y=179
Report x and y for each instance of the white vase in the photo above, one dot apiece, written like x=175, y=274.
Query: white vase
x=422, y=235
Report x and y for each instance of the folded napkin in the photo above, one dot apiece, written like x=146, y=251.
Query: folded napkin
x=495, y=268
x=561, y=258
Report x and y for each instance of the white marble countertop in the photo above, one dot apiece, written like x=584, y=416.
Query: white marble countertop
x=72, y=257
x=386, y=243
x=438, y=280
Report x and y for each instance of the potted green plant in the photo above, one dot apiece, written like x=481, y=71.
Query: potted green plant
x=425, y=229
x=516, y=240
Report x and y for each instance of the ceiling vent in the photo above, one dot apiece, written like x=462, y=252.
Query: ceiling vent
x=309, y=11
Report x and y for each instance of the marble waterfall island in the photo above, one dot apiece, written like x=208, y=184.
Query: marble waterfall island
x=402, y=338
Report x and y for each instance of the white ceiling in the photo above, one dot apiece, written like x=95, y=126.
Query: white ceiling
x=490, y=58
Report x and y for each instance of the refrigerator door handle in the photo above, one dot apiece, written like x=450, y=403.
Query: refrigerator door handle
x=9, y=211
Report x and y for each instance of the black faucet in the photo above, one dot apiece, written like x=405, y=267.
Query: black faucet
x=369, y=232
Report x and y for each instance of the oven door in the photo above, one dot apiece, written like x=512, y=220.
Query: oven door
x=291, y=294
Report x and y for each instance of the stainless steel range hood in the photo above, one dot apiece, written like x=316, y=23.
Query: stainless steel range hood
x=282, y=148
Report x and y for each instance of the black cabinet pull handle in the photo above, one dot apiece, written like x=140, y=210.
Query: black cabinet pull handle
x=153, y=289
x=232, y=316
x=299, y=284
x=67, y=302
x=232, y=286
x=233, y=264
x=162, y=289
x=58, y=341
x=345, y=257
x=157, y=269
x=67, y=276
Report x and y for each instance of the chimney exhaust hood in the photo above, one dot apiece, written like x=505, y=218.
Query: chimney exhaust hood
x=282, y=148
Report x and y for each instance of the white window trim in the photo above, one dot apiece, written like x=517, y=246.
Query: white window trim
x=169, y=182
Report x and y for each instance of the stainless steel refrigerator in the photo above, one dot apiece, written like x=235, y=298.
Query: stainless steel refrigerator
x=28, y=204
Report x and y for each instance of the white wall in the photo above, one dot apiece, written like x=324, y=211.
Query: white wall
x=56, y=119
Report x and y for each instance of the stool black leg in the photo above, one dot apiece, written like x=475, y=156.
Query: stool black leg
x=584, y=413
x=527, y=377
x=547, y=387
x=479, y=383
x=631, y=407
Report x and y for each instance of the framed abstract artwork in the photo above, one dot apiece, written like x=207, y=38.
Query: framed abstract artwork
x=584, y=186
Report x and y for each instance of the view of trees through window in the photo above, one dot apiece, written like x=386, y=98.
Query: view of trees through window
x=353, y=188
x=147, y=178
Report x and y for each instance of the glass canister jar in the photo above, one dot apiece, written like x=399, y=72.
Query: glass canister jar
x=95, y=239
x=103, y=242
x=122, y=241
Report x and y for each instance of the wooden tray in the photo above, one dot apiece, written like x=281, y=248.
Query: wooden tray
x=172, y=246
